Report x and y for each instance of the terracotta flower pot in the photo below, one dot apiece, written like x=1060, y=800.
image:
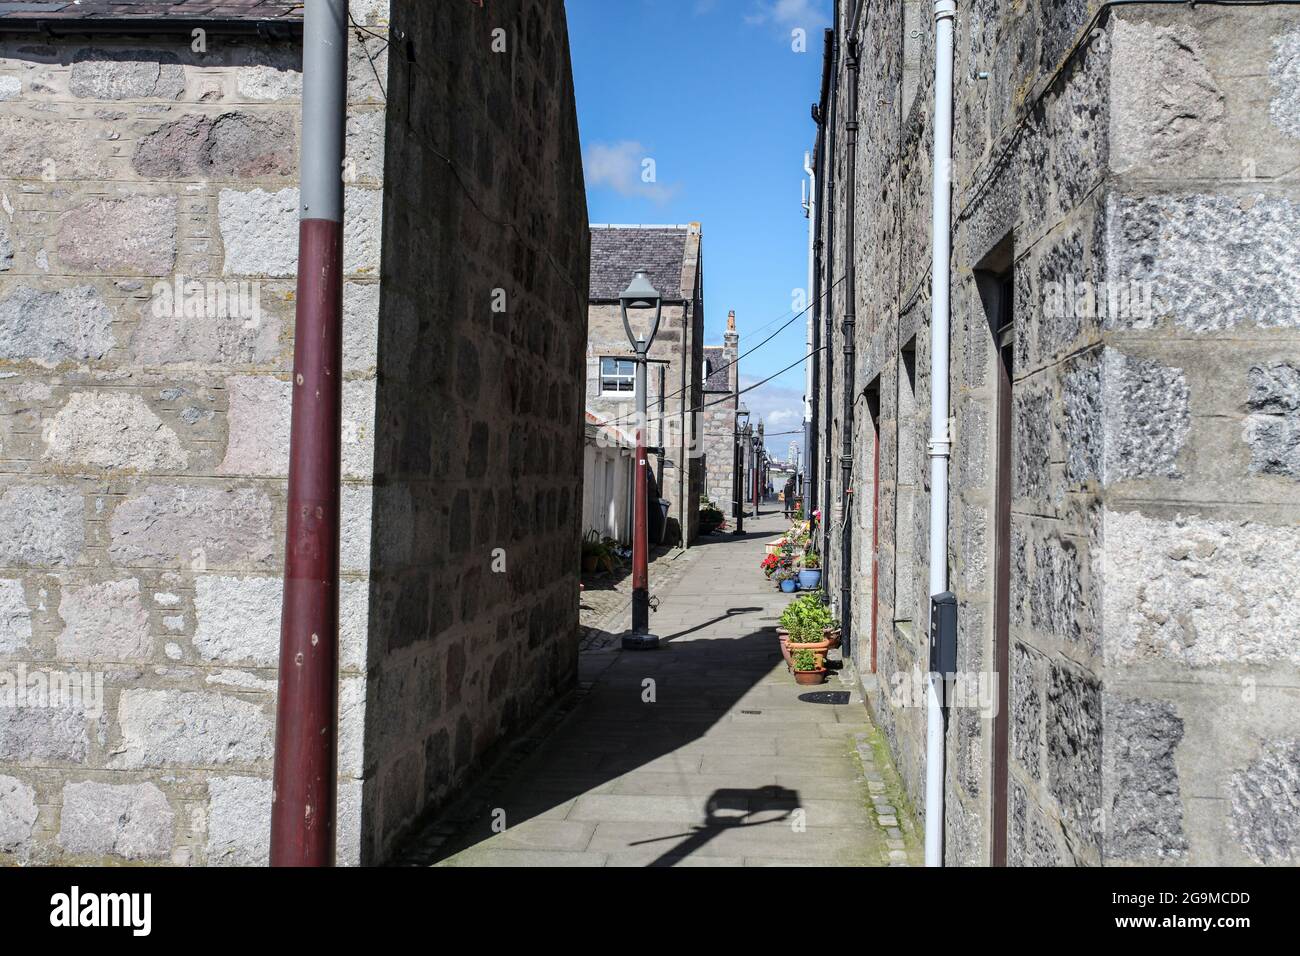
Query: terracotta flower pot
x=785, y=647
x=819, y=649
x=832, y=636
x=805, y=678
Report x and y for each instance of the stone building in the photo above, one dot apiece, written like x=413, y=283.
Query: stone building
x=148, y=248
x=674, y=258
x=1124, y=520
x=721, y=389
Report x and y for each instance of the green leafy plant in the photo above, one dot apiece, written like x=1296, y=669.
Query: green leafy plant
x=804, y=660
x=807, y=631
x=807, y=610
x=710, y=517
x=811, y=561
x=592, y=546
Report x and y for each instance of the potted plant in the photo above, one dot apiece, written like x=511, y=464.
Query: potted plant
x=593, y=549
x=810, y=571
x=807, y=636
x=808, y=668
x=711, y=517
x=787, y=578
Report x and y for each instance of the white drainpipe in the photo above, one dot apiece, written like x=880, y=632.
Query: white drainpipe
x=945, y=13
x=810, y=209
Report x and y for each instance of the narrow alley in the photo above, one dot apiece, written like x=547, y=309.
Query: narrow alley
x=703, y=753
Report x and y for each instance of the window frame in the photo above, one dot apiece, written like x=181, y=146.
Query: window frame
x=617, y=375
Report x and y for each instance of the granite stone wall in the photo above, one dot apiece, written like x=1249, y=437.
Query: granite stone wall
x=148, y=249
x=1128, y=167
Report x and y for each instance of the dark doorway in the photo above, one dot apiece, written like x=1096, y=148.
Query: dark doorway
x=872, y=394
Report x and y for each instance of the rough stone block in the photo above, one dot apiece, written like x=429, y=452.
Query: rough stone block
x=1166, y=106
x=131, y=821
x=238, y=619
x=136, y=235
x=198, y=526
x=112, y=430
x=356, y=515
x=228, y=146
x=6, y=246
x=365, y=144
x=104, y=621
x=1199, y=591
x=37, y=148
x=360, y=326
x=1031, y=423
x=247, y=334
x=260, y=415
x=70, y=324
x=15, y=618
x=1083, y=424
x=1265, y=799
x=260, y=231
x=1147, y=418
x=41, y=526
x=18, y=812
x=1026, y=700
x=1284, y=75
x=269, y=75
x=239, y=821
x=171, y=728
x=1074, y=749
x=1061, y=589
x=1144, y=815
x=42, y=733
x=352, y=727
x=1272, y=429
x=1204, y=254
x=99, y=74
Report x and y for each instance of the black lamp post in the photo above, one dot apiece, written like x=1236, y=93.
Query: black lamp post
x=641, y=297
x=738, y=472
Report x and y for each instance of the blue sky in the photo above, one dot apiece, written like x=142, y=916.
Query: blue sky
x=713, y=92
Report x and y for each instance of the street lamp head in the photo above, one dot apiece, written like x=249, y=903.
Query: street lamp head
x=641, y=296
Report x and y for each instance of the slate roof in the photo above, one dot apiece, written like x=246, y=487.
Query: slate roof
x=719, y=379
x=618, y=251
x=54, y=11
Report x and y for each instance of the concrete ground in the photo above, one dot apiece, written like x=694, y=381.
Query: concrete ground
x=703, y=753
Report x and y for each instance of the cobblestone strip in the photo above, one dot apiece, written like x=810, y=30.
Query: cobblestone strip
x=884, y=787
x=609, y=618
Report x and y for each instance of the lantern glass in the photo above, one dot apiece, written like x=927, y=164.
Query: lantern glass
x=641, y=302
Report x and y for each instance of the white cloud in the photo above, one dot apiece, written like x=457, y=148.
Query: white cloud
x=620, y=167
x=779, y=409
x=788, y=14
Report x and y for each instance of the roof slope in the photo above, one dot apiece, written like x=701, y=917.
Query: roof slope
x=223, y=10
x=618, y=251
x=719, y=377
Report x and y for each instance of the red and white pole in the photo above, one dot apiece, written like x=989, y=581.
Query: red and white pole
x=306, y=720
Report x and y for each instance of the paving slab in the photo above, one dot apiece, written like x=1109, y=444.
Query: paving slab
x=703, y=753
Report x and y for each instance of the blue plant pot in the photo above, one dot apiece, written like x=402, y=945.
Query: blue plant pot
x=788, y=586
x=808, y=580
